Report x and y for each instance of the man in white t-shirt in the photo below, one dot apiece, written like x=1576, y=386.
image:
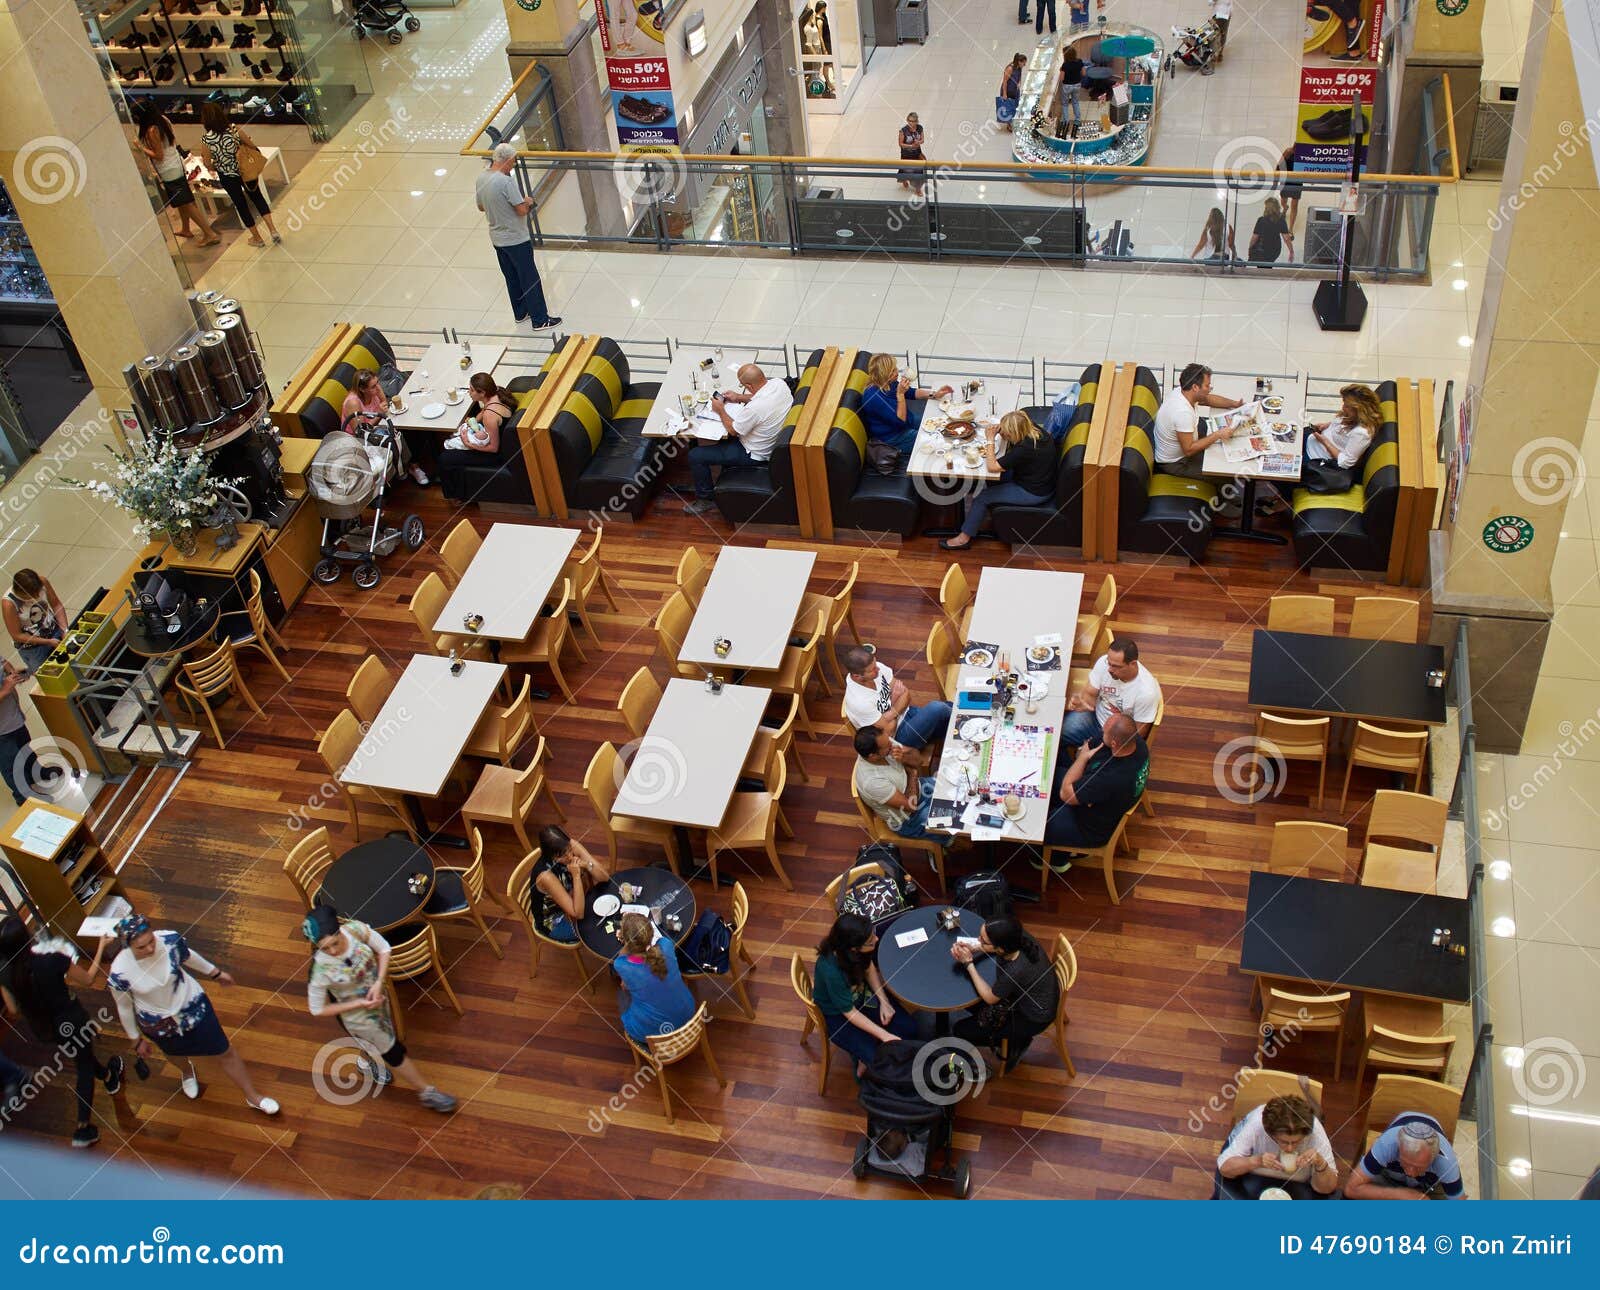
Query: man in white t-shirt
x=1117, y=683
x=1180, y=447
x=872, y=697
x=753, y=416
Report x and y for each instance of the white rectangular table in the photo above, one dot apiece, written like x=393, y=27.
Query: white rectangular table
x=1284, y=464
x=664, y=421
x=688, y=763
x=751, y=598
x=1012, y=607
x=417, y=736
x=510, y=578
x=210, y=195
x=442, y=364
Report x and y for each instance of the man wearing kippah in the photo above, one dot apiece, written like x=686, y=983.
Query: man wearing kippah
x=1413, y=1160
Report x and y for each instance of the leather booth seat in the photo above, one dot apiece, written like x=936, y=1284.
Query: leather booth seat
x=500, y=478
x=1158, y=514
x=369, y=351
x=602, y=457
x=1058, y=522
x=764, y=493
x=862, y=498
x=1354, y=529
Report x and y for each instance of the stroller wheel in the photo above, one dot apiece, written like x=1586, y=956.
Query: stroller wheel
x=412, y=533
x=859, y=1165
x=961, y=1186
x=326, y=572
x=413, y=24
x=366, y=576
x=395, y=37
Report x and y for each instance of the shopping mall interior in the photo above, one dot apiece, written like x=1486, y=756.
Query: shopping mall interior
x=1065, y=213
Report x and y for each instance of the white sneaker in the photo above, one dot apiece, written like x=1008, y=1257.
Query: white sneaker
x=266, y=1106
x=191, y=1085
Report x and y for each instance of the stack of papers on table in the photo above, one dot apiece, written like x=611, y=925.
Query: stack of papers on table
x=41, y=832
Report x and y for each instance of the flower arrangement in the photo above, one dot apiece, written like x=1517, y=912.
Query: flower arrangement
x=169, y=491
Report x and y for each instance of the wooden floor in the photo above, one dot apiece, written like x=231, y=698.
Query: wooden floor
x=1161, y=1015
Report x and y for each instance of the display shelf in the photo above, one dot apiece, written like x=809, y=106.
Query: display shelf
x=50, y=890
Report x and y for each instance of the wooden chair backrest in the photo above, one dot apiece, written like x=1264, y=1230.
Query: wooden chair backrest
x=214, y=673
x=638, y=702
x=741, y=910
x=1155, y=725
x=843, y=597
x=1294, y=737
x=584, y=570
x=369, y=688
x=472, y=874
x=1390, y=749
x=1394, y=1094
x=1310, y=614
x=459, y=547
x=1310, y=849
x=415, y=956
x=941, y=649
x=340, y=741
x=1408, y=817
x=1306, y=1008
x=258, y=611
x=1258, y=1087
x=310, y=859
x=427, y=603
x=519, y=890
x=1385, y=618
x=694, y=571
x=1065, y=959
x=782, y=734
x=800, y=979
x=672, y=624
x=872, y=869
x=560, y=624
x=876, y=826
x=808, y=651
x=1422, y=1051
x=1105, y=601
x=600, y=780
x=677, y=1044
x=528, y=779
x=954, y=594
x=514, y=720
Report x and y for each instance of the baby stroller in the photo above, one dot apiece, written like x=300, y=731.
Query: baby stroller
x=350, y=473
x=909, y=1093
x=372, y=16
x=1196, y=48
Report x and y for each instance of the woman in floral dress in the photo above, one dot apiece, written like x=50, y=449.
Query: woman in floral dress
x=346, y=981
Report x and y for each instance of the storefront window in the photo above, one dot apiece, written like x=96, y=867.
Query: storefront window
x=831, y=53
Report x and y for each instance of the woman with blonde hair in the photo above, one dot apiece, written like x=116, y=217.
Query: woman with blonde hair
x=1216, y=238
x=891, y=408
x=1270, y=235
x=1334, y=450
x=1027, y=478
x=654, y=999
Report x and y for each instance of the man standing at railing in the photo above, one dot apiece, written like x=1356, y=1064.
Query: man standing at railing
x=507, y=210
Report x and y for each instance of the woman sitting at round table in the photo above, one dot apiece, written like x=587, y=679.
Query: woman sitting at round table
x=849, y=992
x=1279, y=1144
x=561, y=872
x=1027, y=478
x=1023, y=1000
x=654, y=999
x=346, y=980
x=886, y=409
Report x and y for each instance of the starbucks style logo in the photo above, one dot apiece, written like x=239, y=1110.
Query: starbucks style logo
x=1449, y=8
x=532, y=5
x=1507, y=534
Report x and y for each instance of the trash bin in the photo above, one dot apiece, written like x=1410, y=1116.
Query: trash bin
x=911, y=21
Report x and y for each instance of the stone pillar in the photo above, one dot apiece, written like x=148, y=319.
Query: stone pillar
x=1441, y=42
x=68, y=166
x=1535, y=363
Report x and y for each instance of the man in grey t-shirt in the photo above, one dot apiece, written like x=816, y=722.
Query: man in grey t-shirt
x=507, y=211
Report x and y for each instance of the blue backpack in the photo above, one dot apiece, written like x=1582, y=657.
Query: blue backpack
x=705, y=950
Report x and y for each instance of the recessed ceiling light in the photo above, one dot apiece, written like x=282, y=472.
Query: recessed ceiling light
x=440, y=173
x=1500, y=869
x=634, y=303
x=1517, y=1167
x=417, y=192
x=1503, y=926
x=1514, y=1058
x=1464, y=341
x=1455, y=264
x=1460, y=284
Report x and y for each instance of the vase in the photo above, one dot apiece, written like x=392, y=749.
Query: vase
x=185, y=541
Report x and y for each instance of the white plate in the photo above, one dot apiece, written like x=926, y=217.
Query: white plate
x=978, y=657
x=431, y=411
x=606, y=905
x=1041, y=653
x=977, y=730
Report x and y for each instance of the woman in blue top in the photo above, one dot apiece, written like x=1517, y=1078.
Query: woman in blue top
x=886, y=410
x=654, y=998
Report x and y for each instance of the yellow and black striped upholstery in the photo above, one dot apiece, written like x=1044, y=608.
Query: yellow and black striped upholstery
x=601, y=455
x=765, y=493
x=319, y=414
x=862, y=498
x=1156, y=513
x=1353, y=529
x=501, y=478
x=1059, y=522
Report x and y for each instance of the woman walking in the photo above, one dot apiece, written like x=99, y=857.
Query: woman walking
x=911, y=136
x=1005, y=104
x=220, y=143
x=346, y=980
x=158, y=143
x=34, y=617
x=164, y=1006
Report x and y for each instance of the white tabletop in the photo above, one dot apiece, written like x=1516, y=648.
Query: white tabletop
x=689, y=760
x=752, y=597
x=418, y=736
x=442, y=363
x=664, y=421
x=1012, y=607
x=928, y=457
x=508, y=581
x=1283, y=461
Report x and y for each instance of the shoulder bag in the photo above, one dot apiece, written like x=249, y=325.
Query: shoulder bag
x=251, y=160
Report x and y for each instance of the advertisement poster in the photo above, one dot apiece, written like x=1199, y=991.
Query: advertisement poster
x=1346, y=31
x=641, y=86
x=1325, y=120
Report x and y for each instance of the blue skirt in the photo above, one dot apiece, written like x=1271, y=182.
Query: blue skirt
x=203, y=1039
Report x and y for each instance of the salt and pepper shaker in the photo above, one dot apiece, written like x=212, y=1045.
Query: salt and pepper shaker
x=457, y=666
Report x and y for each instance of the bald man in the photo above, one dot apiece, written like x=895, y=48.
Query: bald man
x=753, y=416
x=1097, y=789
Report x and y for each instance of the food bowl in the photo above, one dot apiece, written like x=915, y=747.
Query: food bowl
x=1273, y=403
x=1041, y=653
x=959, y=431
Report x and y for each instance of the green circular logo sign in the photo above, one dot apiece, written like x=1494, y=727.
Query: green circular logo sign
x=1449, y=8
x=531, y=5
x=1507, y=534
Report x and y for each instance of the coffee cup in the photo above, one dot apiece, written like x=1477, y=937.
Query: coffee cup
x=1013, y=805
x=1290, y=1160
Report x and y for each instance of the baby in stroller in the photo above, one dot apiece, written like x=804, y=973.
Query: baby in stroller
x=910, y=1093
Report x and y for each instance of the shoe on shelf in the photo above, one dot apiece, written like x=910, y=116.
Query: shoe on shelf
x=275, y=41
x=434, y=1100
x=286, y=72
x=85, y=1135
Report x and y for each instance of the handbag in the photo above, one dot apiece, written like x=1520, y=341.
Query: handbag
x=883, y=457
x=1005, y=110
x=1326, y=477
x=251, y=161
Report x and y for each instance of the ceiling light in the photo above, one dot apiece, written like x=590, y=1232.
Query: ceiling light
x=1514, y=1058
x=1501, y=869
x=1455, y=264
x=634, y=303
x=1464, y=341
x=1517, y=1167
x=1503, y=926
x=1561, y=1117
x=1460, y=284
x=417, y=192
x=440, y=173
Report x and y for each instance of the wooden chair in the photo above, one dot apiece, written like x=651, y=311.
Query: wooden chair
x=413, y=952
x=457, y=550
x=1065, y=962
x=1286, y=739
x=551, y=634
x=1078, y=677
x=369, y=689
x=427, y=603
x=671, y=626
x=1308, y=849
x=588, y=580
x=1405, y=1035
x=1283, y=1007
x=339, y=743
x=941, y=654
x=1089, y=625
x=1399, y=868
x=772, y=742
x=638, y=702
x=1394, y=1094
x=519, y=898
x=661, y=1051
x=457, y=893
x=1105, y=853
x=505, y=795
x=601, y=781
x=1257, y=1087
x=307, y=864
x=501, y=729
x=1150, y=742
x=955, y=598
x=1402, y=751
x=837, y=607
x=800, y=979
x=794, y=674
x=694, y=571
x=257, y=631
x=1385, y=618
x=1412, y=818
x=1312, y=615
x=879, y=831
x=206, y=678
x=872, y=869
x=738, y=954
x=753, y=820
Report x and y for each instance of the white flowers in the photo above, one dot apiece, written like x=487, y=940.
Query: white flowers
x=164, y=488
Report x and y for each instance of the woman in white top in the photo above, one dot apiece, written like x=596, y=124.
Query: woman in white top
x=34, y=616
x=159, y=999
x=1279, y=1144
x=1346, y=438
x=160, y=145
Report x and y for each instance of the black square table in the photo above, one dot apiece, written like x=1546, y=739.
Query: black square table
x=1352, y=937
x=1339, y=676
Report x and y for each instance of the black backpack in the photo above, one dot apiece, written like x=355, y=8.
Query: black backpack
x=706, y=948
x=986, y=893
x=879, y=899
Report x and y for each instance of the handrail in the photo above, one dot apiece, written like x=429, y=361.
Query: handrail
x=1450, y=128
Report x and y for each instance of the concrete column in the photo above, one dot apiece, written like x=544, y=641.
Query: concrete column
x=1448, y=43
x=68, y=167
x=1535, y=363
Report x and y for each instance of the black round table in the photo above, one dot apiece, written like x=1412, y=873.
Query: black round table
x=663, y=892
x=141, y=639
x=923, y=976
x=369, y=882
